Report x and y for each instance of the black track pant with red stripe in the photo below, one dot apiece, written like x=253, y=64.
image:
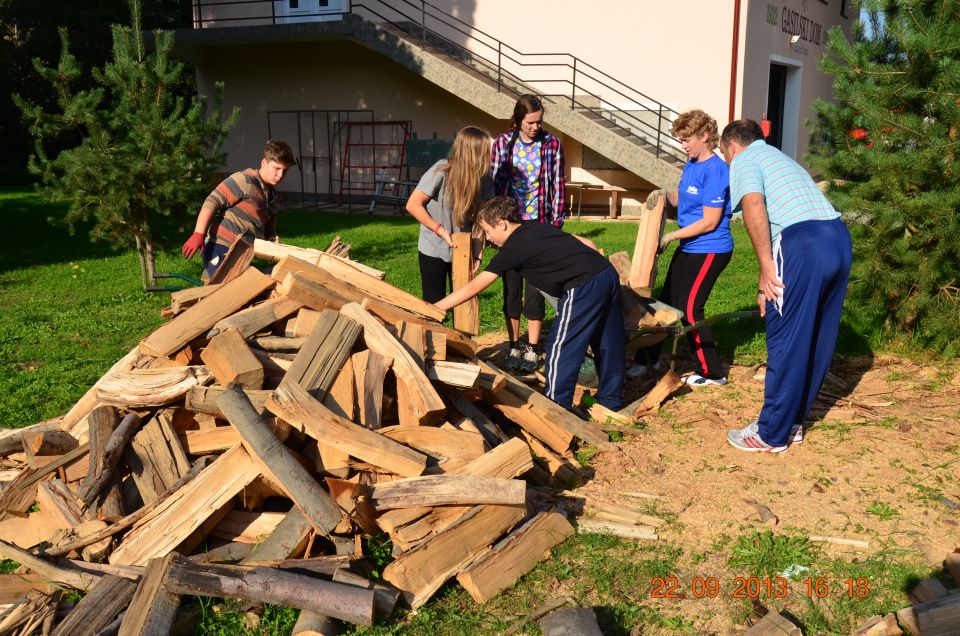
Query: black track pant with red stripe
x=689, y=282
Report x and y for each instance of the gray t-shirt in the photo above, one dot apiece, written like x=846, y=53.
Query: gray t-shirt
x=431, y=184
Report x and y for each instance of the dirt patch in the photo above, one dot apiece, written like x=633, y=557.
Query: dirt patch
x=879, y=464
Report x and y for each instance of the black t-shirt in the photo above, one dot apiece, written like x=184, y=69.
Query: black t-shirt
x=548, y=258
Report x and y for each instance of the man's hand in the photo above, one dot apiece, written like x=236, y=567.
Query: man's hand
x=194, y=243
x=654, y=197
x=665, y=241
x=769, y=287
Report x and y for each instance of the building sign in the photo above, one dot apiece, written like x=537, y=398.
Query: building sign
x=795, y=23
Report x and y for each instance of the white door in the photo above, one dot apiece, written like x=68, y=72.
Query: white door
x=289, y=11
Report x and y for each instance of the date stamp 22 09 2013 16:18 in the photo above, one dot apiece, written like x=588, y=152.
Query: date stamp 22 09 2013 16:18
x=756, y=587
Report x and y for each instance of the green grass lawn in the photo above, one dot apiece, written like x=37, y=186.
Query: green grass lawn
x=69, y=309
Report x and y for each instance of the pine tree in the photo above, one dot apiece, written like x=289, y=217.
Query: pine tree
x=138, y=150
x=889, y=147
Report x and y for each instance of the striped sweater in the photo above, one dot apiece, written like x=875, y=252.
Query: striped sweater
x=242, y=204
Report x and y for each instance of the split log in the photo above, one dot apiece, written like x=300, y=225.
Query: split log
x=449, y=447
x=559, y=467
x=139, y=388
x=46, y=443
x=11, y=439
x=277, y=587
x=102, y=422
x=59, y=504
x=172, y=522
x=370, y=368
x=152, y=609
x=203, y=399
x=37, y=612
x=110, y=460
x=156, y=458
x=254, y=319
x=773, y=624
x=456, y=341
x=65, y=574
x=98, y=608
x=952, y=564
x=242, y=526
x=650, y=403
x=302, y=324
x=458, y=374
x=313, y=294
x=93, y=552
x=221, y=438
x=447, y=490
x=230, y=360
x=879, y=626
x=27, y=478
x=341, y=397
x=419, y=573
x=287, y=540
x=425, y=404
x=276, y=460
x=195, y=321
x=501, y=566
x=130, y=519
x=277, y=251
x=643, y=265
x=297, y=407
x=487, y=427
x=73, y=422
x=234, y=262
x=182, y=299
x=519, y=411
x=466, y=317
x=323, y=354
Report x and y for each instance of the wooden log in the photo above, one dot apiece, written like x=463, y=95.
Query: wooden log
x=311, y=293
x=450, y=447
x=221, y=438
x=287, y=540
x=341, y=397
x=46, y=443
x=266, y=585
x=110, y=460
x=370, y=368
x=323, y=354
x=421, y=571
x=142, y=388
x=929, y=589
x=98, y=608
x=97, y=551
x=173, y=521
x=425, y=403
x=182, y=299
x=59, y=504
x=411, y=336
x=314, y=624
x=626, y=531
x=226, y=300
x=130, y=519
x=448, y=490
x=571, y=621
x=643, y=265
x=156, y=458
x=277, y=461
x=879, y=626
x=487, y=427
x=73, y=421
x=466, y=317
x=27, y=478
x=152, y=608
x=457, y=374
x=436, y=345
x=230, y=360
x=102, y=421
x=385, y=597
x=203, y=399
x=607, y=419
x=501, y=566
x=65, y=574
x=277, y=251
x=297, y=407
x=543, y=429
x=302, y=324
x=11, y=439
x=456, y=341
x=556, y=465
x=773, y=624
x=650, y=403
x=255, y=319
x=242, y=526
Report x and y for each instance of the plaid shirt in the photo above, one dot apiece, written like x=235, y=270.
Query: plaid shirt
x=242, y=204
x=552, y=188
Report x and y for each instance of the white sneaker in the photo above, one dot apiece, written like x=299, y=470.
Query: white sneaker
x=640, y=370
x=748, y=439
x=695, y=379
x=514, y=358
x=529, y=361
x=796, y=434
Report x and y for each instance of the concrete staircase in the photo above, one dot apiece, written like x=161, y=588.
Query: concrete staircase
x=477, y=81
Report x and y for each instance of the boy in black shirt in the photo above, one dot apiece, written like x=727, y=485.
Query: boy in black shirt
x=568, y=267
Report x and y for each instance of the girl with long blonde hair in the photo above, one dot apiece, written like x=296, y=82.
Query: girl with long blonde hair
x=445, y=201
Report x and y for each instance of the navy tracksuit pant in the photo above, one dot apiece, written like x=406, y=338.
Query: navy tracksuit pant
x=588, y=315
x=813, y=261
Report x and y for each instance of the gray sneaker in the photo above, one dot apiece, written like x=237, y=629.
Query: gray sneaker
x=529, y=361
x=514, y=358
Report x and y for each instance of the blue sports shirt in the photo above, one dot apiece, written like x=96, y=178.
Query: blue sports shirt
x=705, y=183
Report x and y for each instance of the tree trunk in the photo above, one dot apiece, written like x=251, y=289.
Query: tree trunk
x=142, y=257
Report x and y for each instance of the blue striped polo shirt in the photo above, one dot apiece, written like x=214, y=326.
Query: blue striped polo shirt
x=789, y=192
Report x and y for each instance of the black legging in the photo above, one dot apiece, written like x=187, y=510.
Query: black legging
x=690, y=280
x=435, y=274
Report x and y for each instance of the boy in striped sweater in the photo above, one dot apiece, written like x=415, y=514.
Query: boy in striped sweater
x=245, y=203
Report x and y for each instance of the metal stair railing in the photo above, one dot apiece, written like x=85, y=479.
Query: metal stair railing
x=569, y=79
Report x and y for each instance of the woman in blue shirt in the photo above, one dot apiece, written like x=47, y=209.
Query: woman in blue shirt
x=703, y=213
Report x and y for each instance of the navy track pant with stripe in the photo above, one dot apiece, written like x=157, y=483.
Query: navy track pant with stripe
x=591, y=315
x=813, y=261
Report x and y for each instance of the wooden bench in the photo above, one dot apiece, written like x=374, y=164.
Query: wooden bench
x=614, y=192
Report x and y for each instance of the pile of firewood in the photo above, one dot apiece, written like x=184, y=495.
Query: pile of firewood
x=245, y=447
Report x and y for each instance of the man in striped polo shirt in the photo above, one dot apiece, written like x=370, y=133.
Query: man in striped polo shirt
x=245, y=203
x=804, y=252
